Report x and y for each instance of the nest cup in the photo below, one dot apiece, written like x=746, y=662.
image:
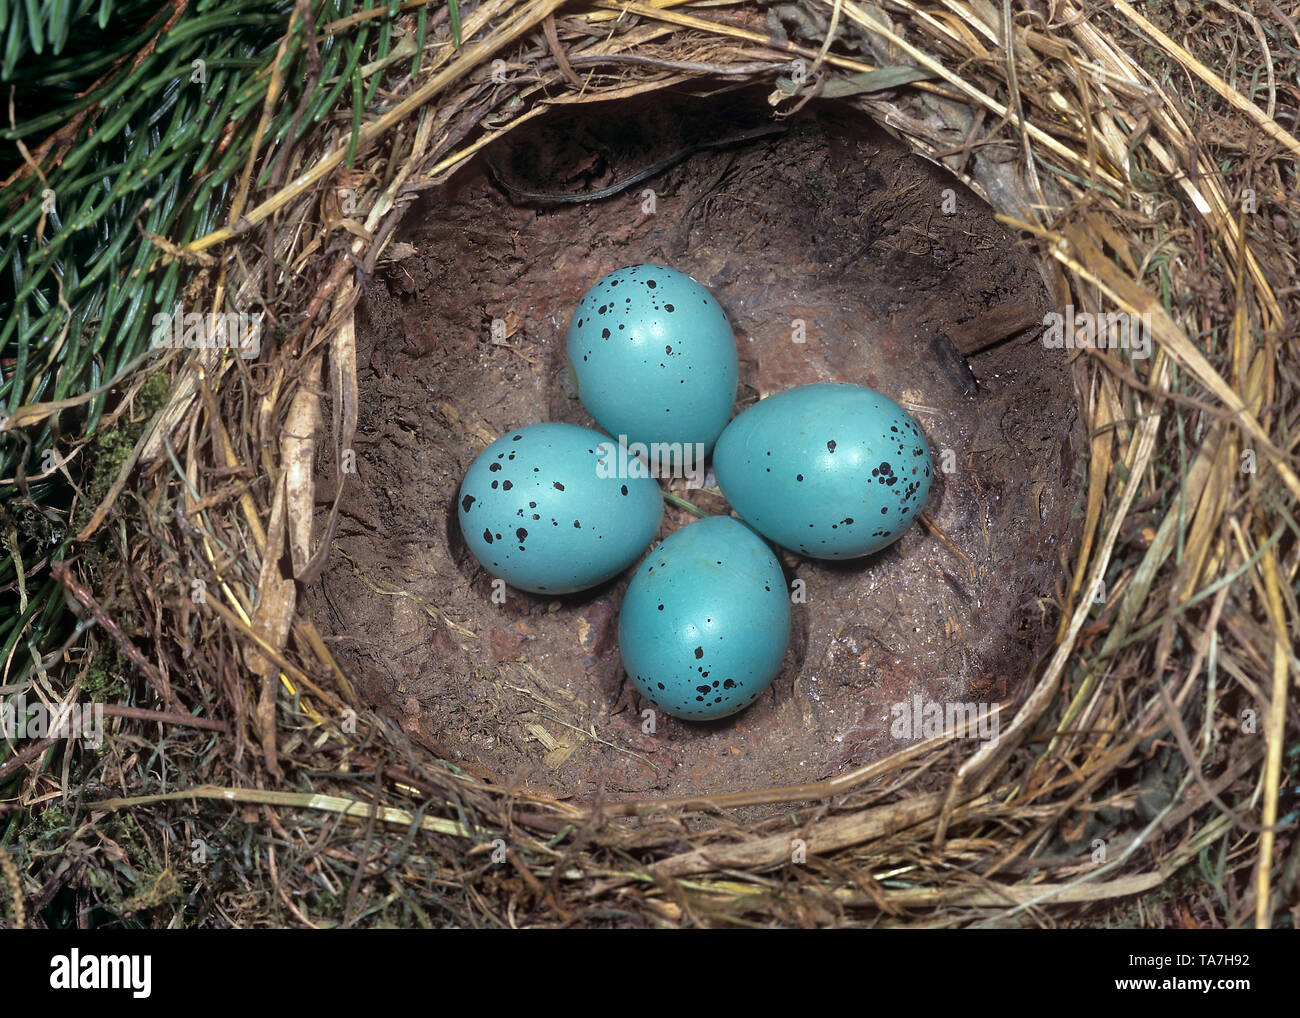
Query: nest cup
x=811, y=232
x=1097, y=529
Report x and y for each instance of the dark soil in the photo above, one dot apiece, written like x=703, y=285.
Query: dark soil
x=831, y=223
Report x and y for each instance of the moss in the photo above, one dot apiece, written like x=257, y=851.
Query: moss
x=103, y=682
x=53, y=818
x=126, y=832
x=326, y=906
x=152, y=890
x=113, y=446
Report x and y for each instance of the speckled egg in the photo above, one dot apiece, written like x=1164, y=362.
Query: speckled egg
x=705, y=621
x=543, y=509
x=831, y=470
x=653, y=357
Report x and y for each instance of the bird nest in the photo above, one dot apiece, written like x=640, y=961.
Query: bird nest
x=250, y=556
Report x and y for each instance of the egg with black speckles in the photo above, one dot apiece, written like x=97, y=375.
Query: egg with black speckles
x=830, y=470
x=653, y=357
x=544, y=508
x=705, y=622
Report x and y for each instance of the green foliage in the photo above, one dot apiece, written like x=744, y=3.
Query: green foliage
x=126, y=123
x=111, y=448
x=103, y=683
x=42, y=29
x=54, y=818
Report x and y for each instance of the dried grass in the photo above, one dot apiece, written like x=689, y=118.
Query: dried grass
x=1121, y=153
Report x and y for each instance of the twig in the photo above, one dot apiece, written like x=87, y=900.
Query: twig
x=937, y=533
x=161, y=687
x=26, y=753
x=121, y=710
x=561, y=59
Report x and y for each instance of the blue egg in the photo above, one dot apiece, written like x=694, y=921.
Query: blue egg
x=544, y=509
x=654, y=358
x=831, y=470
x=705, y=621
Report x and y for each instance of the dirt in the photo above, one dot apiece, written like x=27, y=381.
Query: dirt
x=837, y=256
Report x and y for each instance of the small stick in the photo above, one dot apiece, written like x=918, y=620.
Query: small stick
x=561, y=58
x=61, y=572
x=121, y=710
x=938, y=534
x=23, y=755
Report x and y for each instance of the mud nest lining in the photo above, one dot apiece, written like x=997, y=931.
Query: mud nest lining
x=838, y=256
